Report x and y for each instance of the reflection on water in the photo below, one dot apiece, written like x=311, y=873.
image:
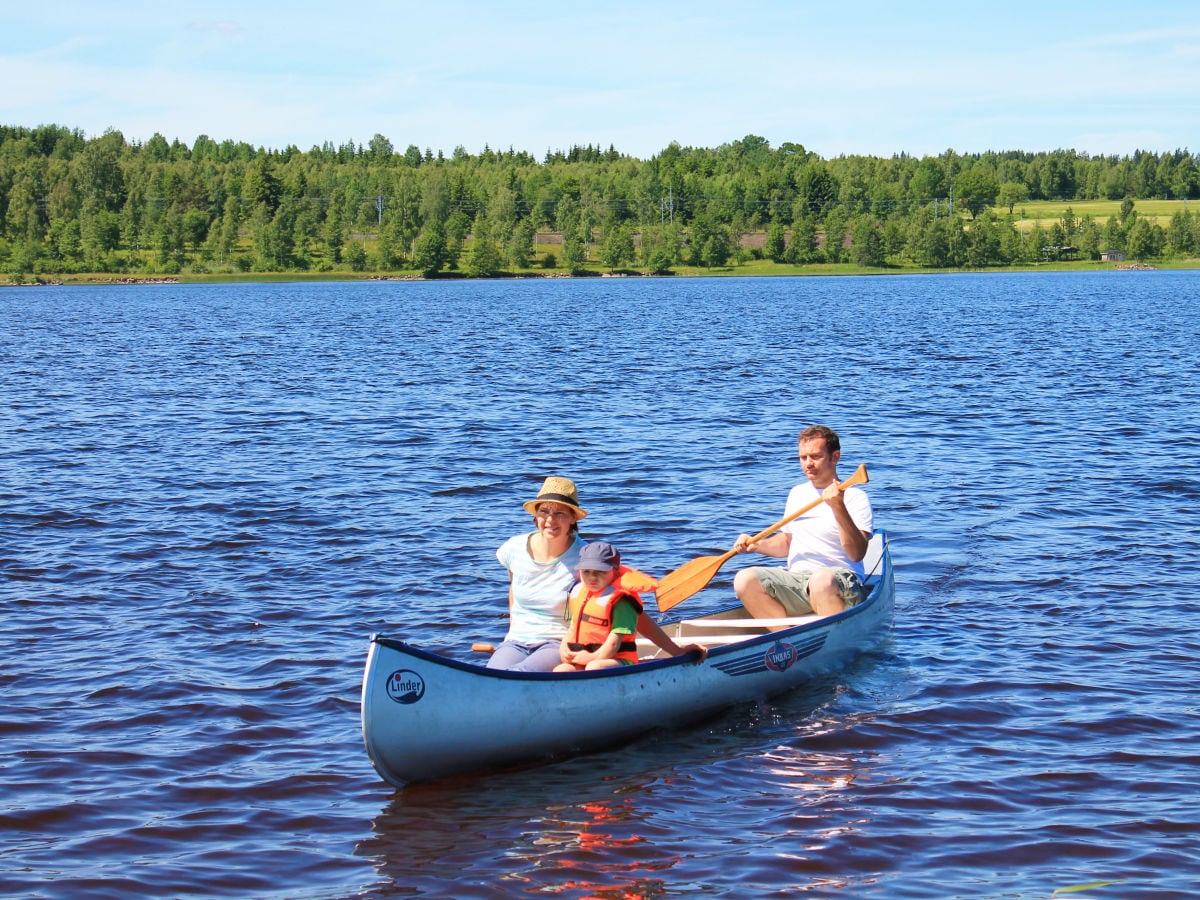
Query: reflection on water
x=622, y=835
x=596, y=848
x=432, y=836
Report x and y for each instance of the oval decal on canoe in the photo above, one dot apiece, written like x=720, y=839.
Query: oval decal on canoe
x=780, y=656
x=405, y=686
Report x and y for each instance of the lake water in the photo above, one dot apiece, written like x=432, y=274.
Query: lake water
x=211, y=495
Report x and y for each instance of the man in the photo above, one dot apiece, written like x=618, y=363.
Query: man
x=824, y=548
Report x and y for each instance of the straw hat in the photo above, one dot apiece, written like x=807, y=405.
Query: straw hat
x=557, y=490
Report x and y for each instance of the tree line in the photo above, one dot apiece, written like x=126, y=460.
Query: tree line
x=70, y=204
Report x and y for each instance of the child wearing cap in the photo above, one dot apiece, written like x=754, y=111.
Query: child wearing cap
x=604, y=609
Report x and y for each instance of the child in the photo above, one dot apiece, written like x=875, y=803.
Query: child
x=604, y=609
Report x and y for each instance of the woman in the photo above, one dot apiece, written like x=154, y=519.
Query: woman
x=541, y=572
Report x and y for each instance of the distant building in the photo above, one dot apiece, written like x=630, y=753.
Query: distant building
x=1112, y=256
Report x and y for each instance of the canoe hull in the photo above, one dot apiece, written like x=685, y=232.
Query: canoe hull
x=426, y=716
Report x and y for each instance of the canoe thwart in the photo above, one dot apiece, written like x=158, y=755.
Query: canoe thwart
x=752, y=623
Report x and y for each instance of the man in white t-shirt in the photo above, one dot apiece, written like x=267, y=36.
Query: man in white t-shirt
x=824, y=548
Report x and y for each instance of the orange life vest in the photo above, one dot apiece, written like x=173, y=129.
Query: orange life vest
x=591, y=614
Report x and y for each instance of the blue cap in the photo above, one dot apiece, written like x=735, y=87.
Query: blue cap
x=598, y=556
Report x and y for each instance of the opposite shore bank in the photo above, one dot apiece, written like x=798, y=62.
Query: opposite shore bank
x=750, y=269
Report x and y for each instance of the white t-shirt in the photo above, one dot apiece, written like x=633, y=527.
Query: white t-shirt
x=539, y=607
x=816, y=542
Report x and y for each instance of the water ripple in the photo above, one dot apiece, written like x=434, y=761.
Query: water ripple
x=210, y=496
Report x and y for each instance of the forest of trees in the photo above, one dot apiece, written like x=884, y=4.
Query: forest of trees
x=71, y=204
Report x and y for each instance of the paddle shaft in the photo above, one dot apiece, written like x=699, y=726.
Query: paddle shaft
x=859, y=477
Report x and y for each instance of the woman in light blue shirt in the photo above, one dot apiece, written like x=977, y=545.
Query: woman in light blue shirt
x=541, y=570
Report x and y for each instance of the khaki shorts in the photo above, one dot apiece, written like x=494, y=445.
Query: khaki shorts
x=791, y=588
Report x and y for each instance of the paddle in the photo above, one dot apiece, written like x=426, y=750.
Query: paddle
x=694, y=576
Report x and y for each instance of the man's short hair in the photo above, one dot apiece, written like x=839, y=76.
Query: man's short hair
x=832, y=442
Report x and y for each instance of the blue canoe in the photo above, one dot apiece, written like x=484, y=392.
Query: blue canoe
x=426, y=716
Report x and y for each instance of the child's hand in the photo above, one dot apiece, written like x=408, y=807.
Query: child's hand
x=697, y=650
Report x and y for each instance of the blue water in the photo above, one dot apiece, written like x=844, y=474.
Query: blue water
x=211, y=495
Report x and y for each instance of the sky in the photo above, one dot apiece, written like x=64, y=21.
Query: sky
x=871, y=78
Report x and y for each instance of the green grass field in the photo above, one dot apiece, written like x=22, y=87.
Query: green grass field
x=1047, y=212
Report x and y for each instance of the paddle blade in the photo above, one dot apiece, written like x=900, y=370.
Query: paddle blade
x=688, y=579
x=859, y=477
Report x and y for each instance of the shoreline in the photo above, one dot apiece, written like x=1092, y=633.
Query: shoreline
x=745, y=270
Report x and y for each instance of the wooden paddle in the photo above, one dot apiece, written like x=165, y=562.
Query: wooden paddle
x=694, y=576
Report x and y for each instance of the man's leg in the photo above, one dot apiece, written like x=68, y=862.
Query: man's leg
x=755, y=598
x=824, y=592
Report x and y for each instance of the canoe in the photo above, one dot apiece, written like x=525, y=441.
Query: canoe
x=427, y=716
